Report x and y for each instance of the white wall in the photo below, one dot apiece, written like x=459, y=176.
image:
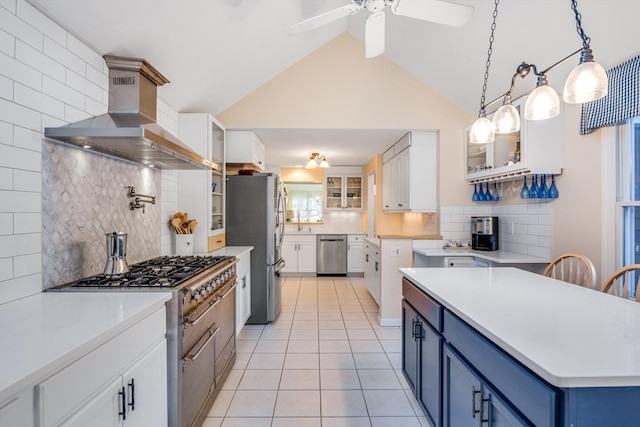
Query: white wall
x=47, y=78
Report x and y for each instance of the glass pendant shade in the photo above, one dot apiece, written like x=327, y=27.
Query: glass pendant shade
x=311, y=164
x=506, y=119
x=587, y=82
x=543, y=103
x=324, y=163
x=481, y=131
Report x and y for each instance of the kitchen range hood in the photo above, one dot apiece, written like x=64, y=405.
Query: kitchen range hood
x=129, y=130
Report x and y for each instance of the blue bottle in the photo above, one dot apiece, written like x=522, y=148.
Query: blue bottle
x=533, y=191
x=476, y=196
x=524, y=193
x=543, y=192
x=553, y=190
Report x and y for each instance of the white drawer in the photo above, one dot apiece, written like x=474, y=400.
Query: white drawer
x=353, y=238
x=244, y=264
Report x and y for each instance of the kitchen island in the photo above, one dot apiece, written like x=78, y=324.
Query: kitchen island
x=519, y=348
x=449, y=257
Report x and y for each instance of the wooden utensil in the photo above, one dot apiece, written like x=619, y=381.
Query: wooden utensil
x=184, y=226
x=192, y=226
x=175, y=222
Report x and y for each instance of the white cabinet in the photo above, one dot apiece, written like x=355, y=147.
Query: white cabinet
x=243, y=291
x=410, y=174
x=535, y=149
x=343, y=188
x=17, y=410
x=123, y=382
x=372, y=270
x=355, y=253
x=299, y=253
x=201, y=193
x=244, y=147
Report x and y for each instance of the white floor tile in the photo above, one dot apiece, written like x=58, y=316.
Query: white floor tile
x=336, y=361
x=246, y=422
x=303, y=334
x=266, y=361
x=297, y=422
x=298, y=403
x=346, y=422
x=333, y=334
x=233, y=379
x=251, y=403
x=371, y=361
x=395, y=422
x=260, y=379
x=300, y=379
x=271, y=346
x=335, y=346
x=388, y=403
x=344, y=403
x=382, y=379
x=303, y=346
x=339, y=379
x=366, y=346
x=301, y=361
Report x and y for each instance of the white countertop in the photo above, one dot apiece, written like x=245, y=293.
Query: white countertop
x=569, y=335
x=501, y=257
x=41, y=333
x=231, y=251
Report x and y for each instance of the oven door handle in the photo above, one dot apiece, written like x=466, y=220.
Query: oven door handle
x=219, y=298
x=212, y=333
x=195, y=322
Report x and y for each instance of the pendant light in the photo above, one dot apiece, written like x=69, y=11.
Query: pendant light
x=543, y=103
x=588, y=81
x=482, y=129
x=315, y=161
x=507, y=118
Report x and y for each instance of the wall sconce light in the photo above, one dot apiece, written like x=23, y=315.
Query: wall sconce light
x=317, y=161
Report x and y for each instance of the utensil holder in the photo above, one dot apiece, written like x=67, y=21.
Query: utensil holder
x=183, y=244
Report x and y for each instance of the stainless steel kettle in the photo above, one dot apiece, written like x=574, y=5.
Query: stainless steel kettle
x=116, y=255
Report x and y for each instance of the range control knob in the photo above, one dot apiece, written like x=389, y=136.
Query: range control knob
x=197, y=297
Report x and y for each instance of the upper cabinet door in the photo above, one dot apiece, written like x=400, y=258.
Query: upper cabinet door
x=343, y=188
x=244, y=147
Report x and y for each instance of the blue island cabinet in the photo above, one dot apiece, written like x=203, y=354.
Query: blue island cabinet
x=463, y=379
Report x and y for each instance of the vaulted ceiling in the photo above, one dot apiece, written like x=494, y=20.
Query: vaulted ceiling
x=216, y=52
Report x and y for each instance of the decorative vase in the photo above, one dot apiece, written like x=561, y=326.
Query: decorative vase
x=543, y=192
x=553, y=190
x=533, y=191
x=476, y=196
x=524, y=193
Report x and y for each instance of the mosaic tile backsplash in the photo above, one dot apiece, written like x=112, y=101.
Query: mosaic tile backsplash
x=84, y=196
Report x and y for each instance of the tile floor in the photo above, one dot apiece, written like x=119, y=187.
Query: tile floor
x=324, y=362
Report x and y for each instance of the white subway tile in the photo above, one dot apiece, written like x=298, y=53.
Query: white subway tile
x=10, y=5
x=530, y=219
x=517, y=248
x=499, y=210
x=22, y=244
x=544, y=242
x=170, y=175
x=27, y=181
x=507, y=237
x=6, y=269
x=19, y=72
x=72, y=114
x=462, y=219
x=63, y=56
x=39, y=61
x=458, y=235
x=84, y=52
x=539, y=208
x=95, y=108
x=19, y=158
x=539, y=252
x=451, y=209
x=518, y=209
x=51, y=122
x=544, y=219
x=19, y=201
x=97, y=76
x=84, y=86
x=38, y=101
x=11, y=112
x=26, y=265
x=11, y=290
x=451, y=227
x=6, y=224
x=429, y=244
x=20, y=29
x=40, y=21
x=521, y=228
x=27, y=139
x=24, y=223
x=6, y=88
x=6, y=133
x=62, y=92
x=6, y=179
x=7, y=43
x=527, y=239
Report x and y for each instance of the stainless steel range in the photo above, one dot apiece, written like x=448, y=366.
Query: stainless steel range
x=200, y=324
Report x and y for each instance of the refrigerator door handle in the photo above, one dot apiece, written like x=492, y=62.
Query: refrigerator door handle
x=279, y=265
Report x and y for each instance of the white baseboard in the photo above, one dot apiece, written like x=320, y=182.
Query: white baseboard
x=389, y=322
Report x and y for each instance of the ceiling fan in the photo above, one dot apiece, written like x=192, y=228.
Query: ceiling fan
x=441, y=12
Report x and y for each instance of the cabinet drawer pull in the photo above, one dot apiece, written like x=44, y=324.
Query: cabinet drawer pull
x=475, y=411
x=123, y=402
x=482, y=413
x=132, y=395
x=191, y=357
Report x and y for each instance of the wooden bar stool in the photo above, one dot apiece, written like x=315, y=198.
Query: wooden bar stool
x=627, y=287
x=572, y=268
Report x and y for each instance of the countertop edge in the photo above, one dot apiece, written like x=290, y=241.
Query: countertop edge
x=39, y=372
x=511, y=257
x=568, y=381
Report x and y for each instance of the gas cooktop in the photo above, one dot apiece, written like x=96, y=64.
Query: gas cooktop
x=160, y=272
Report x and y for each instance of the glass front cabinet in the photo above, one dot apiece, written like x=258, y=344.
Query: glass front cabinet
x=535, y=149
x=343, y=188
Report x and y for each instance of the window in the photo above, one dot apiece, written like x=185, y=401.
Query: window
x=304, y=202
x=628, y=192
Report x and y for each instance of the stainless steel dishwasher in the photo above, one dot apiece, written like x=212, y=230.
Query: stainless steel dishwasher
x=331, y=254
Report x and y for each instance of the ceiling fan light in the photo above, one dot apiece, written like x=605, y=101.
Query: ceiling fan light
x=481, y=131
x=507, y=118
x=586, y=82
x=543, y=103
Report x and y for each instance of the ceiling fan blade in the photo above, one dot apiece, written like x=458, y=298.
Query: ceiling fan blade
x=374, y=35
x=441, y=12
x=323, y=18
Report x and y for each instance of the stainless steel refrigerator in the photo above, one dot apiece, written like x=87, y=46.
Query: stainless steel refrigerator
x=255, y=217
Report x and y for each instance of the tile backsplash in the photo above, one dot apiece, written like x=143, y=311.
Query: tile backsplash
x=84, y=196
x=524, y=228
